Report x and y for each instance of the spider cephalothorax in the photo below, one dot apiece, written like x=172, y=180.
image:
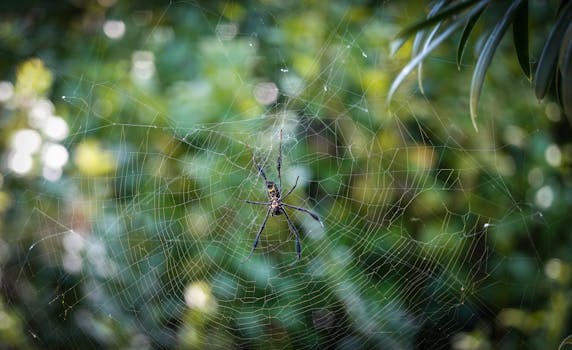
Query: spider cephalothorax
x=276, y=205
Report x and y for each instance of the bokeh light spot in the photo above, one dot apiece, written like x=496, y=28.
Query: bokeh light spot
x=6, y=91
x=55, y=155
x=20, y=163
x=114, y=29
x=544, y=197
x=266, y=93
x=553, y=155
x=55, y=128
x=26, y=141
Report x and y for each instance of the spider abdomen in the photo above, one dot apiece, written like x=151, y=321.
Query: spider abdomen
x=275, y=207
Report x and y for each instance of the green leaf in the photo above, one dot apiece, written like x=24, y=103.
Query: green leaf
x=452, y=27
x=417, y=59
x=465, y=36
x=566, y=341
x=565, y=68
x=417, y=42
x=447, y=13
x=485, y=58
x=545, y=70
x=419, y=38
x=395, y=45
x=419, y=35
x=520, y=37
x=561, y=6
x=420, y=67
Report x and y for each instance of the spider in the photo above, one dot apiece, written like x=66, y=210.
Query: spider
x=275, y=203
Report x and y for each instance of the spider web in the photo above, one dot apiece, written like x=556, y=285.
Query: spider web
x=151, y=253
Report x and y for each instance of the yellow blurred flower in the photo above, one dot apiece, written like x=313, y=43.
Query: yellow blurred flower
x=375, y=82
x=92, y=160
x=306, y=65
x=33, y=78
x=233, y=11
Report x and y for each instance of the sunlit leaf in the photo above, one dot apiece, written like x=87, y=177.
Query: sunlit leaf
x=486, y=56
x=452, y=28
x=547, y=62
x=420, y=67
x=420, y=35
x=520, y=37
x=447, y=13
x=417, y=59
x=465, y=36
x=396, y=44
x=419, y=39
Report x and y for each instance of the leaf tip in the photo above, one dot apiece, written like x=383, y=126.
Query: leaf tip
x=474, y=117
x=395, y=45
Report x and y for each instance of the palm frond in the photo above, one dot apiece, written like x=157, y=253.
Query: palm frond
x=452, y=28
x=553, y=71
x=520, y=37
x=565, y=70
x=547, y=62
x=445, y=14
x=465, y=36
x=486, y=56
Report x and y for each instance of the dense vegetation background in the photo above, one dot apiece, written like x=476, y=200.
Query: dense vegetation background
x=127, y=134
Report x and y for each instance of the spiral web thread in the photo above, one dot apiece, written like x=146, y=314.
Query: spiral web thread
x=156, y=247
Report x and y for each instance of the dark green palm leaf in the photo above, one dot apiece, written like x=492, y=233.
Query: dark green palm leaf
x=547, y=63
x=417, y=59
x=485, y=58
x=420, y=35
x=465, y=36
x=447, y=13
x=561, y=6
x=520, y=37
x=553, y=69
x=452, y=27
x=566, y=341
x=419, y=39
x=420, y=67
x=565, y=69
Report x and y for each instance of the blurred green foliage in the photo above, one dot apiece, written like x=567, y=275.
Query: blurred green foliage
x=436, y=236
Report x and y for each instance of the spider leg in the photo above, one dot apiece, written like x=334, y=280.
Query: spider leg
x=279, y=162
x=314, y=216
x=257, y=239
x=258, y=203
x=260, y=170
x=292, y=189
x=295, y=232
